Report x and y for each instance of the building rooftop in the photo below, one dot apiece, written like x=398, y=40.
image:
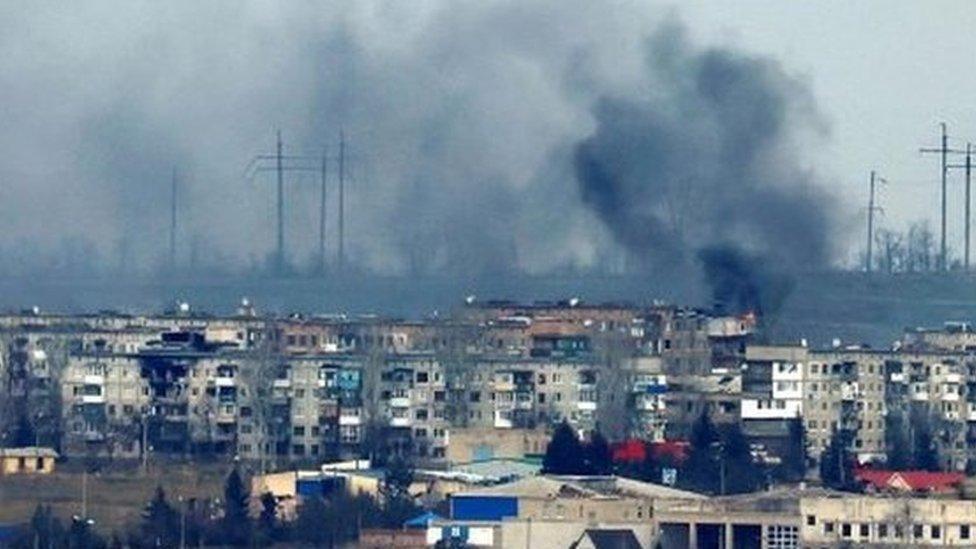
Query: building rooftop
x=583, y=487
x=28, y=452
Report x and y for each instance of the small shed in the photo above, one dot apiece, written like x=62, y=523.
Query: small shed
x=29, y=460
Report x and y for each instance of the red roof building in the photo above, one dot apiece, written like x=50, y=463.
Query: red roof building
x=636, y=451
x=908, y=481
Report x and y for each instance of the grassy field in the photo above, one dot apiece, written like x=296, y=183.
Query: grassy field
x=116, y=496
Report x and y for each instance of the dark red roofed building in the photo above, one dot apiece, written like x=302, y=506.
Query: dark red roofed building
x=878, y=480
x=634, y=450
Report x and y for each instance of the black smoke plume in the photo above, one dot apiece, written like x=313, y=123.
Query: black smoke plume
x=701, y=173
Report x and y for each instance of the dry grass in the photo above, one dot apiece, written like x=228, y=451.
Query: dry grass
x=115, y=497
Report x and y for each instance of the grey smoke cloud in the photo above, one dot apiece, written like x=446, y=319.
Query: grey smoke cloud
x=703, y=168
x=463, y=121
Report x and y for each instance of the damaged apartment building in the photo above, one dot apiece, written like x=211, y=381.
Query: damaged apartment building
x=299, y=388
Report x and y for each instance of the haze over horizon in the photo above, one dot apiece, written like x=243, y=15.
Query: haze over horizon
x=464, y=127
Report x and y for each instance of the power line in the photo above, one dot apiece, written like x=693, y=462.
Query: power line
x=172, y=223
x=968, y=167
x=342, y=199
x=871, y=209
x=943, y=151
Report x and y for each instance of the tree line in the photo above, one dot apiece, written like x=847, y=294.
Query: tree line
x=329, y=520
x=719, y=460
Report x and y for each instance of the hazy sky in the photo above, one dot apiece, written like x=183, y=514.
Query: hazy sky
x=456, y=111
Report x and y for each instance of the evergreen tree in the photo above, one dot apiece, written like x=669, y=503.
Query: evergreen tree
x=160, y=523
x=307, y=527
x=599, y=459
x=83, y=536
x=926, y=455
x=44, y=530
x=837, y=463
x=741, y=472
x=897, y=448
x=236, y=524
x=397, y=504
x=23, y=434
x=564, y=453
x=701, y=470
x=268, y=527
x=796, y=456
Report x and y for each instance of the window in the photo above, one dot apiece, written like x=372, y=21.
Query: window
x=475, y=396
x=811, y=520
x=299, y=431
x=865, y=530
x=917, y=531
x=964, y=531
x=782, y=537
x=882, y=530
x=845, y=530
x=422, y=377
x=936, y=531
x=828, y=528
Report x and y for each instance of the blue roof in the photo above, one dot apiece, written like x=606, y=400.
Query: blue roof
x=8, y=532
x=422, y=521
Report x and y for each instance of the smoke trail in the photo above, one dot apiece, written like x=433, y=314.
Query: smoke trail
x=702, y=169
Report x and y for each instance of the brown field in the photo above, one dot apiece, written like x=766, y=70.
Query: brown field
x=116, y=495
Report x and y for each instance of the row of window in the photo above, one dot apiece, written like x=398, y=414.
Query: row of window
x=888, y=531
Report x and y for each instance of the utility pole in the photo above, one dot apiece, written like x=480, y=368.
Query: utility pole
x=281, y=163
x=871, y=209
x=325, y=171
x=342, y=198
x=968, y=167
x=280, y=253
x=943, y=152
x=172, y=224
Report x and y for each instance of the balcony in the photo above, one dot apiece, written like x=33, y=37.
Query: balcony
x=502, y=420
x=586, y=406
x=950, y=396
x=396, y=422
x=281, y=383
x=647, y=403
x=850, y=391
x=91, y=379
x=356, y=420
x=93, y=399
x=224, y=382
x=504, y=385
x=953, y=378
x=400, y=402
